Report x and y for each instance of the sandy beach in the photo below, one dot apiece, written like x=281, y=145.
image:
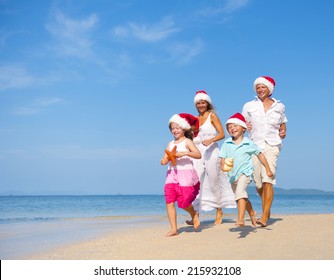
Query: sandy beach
x=287, y=237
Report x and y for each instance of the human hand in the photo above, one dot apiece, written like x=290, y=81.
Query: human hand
x=249, y=126
x=228, y=164
x=164, y=161
x=180, y=154
x=223, y=167
x=282, y=133
x=207, y=142
x=269, y=173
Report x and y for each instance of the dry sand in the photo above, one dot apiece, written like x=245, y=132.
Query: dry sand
x=287, y=237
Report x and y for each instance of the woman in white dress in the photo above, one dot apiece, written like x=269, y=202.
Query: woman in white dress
x=215, y=190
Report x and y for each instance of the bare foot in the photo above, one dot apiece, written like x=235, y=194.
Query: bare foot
x=190, y=222
x=172, y=233
x=240, y=223
x=253, y=218
x=261, y=223
x=196, y=221
x=219, y=216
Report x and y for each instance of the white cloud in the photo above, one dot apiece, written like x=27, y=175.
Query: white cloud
x=146, y=32
x=154, y=32
x=184, y=52
x=120, y=31
x=48, y=101
x=72, y=36
x=14, y=76
x=228, y=7
x=233, y=5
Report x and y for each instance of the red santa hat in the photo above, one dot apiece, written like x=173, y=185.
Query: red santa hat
x=202, y=95
x=267, y=81
x=186, y=121
x=237, y=118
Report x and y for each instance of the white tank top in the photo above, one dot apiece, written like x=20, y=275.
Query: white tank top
x=181, y=163
x=206, y=131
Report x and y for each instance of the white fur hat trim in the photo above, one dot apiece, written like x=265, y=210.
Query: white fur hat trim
x=202, y=95
x=181, y=122
x=267, y=81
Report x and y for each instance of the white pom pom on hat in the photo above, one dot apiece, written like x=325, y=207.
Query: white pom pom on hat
x=267, y=81
x=202, y=95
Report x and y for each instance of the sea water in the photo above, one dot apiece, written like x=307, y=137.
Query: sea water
x=31, y=224
x=25, y=209
x=15, y=209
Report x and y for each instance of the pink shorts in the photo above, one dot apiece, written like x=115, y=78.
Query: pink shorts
x=183, y=195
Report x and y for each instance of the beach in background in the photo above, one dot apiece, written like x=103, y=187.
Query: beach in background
x=119, y=226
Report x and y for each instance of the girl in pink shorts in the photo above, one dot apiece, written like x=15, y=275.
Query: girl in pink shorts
x=182, y=182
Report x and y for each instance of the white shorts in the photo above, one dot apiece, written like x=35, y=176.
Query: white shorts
x=240, y=186
x=259, y=175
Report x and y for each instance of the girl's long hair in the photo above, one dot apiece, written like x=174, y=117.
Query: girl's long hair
x=189, y=134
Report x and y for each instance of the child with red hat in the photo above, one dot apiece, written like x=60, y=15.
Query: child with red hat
x=182, y=183
x=236, y=159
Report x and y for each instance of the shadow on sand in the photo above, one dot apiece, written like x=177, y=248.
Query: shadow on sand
x=244, y=231
x=206, y=224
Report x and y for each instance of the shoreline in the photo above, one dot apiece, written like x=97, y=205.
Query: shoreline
x=19, y=240
x=287, y=237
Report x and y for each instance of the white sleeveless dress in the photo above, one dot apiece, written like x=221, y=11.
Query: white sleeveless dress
x=215, y=191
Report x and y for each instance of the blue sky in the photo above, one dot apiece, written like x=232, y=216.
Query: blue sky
x=87, y=87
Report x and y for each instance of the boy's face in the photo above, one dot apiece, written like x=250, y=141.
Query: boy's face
x=235, y=130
